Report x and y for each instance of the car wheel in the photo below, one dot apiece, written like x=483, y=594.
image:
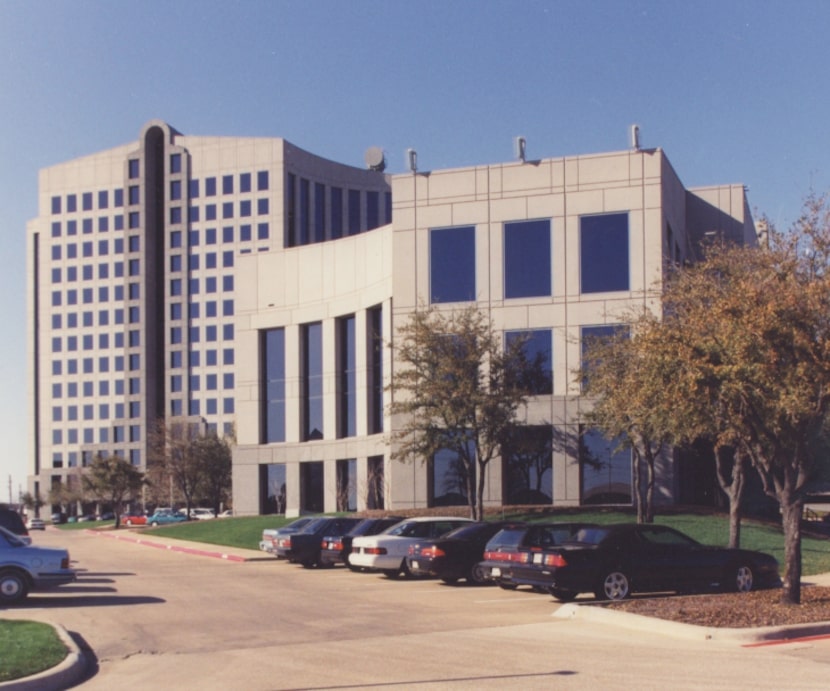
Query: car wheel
x=405, y=569
x=154, y=523
x=129, y=522
x=615, y=586
x=563, y=595
x=507, y=586
x=449, y=580
x=14, y=586
x=391, y=573
x=741, y=579
x=477, y=575
x=308, y=563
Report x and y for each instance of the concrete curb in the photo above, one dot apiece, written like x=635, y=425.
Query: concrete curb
x=61, y=676
x=745, y=637
x=184, y=548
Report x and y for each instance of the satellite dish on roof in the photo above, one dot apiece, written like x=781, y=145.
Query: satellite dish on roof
x=375, y=160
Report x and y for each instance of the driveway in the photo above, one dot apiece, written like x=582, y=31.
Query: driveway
x=155, y=616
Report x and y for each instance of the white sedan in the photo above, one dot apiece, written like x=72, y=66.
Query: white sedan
x=386, y=551
x=24, y=568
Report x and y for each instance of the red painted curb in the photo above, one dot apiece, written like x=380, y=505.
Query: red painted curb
x=173, y=548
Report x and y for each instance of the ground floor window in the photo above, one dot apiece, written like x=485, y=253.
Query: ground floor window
x=448, y=479
x=272, y=483
x=311, y=487
x=347, y=485
x=605, y=469
x=375, y=483
x=527, y=466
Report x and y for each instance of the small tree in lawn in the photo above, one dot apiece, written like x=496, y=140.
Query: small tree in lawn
x=214, y=454
x=113, y=481
x=457, y=389
x=172, y=445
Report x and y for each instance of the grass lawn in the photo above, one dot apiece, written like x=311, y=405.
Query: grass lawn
x=28, y=647
x=708, y=528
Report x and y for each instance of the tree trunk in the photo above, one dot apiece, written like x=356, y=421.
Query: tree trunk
x=791, y=511
x=732, y=484
x=638, y=485
x=649, y=507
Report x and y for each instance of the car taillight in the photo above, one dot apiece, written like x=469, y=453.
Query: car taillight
x=374, y=550
x=556, y=560
x=429, y=552
x=524, y=557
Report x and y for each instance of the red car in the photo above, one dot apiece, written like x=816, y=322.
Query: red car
x=134, y=519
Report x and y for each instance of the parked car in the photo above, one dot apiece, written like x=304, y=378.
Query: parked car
x=106, y=516
x=456, y=555
x=387, y=551
x=514, y=544
x=134, y=519
x=13, y=522
x=616, y=560
x=24, y=568
x=227, y=513
x=303, y=547
x=335, y=549
x=266, y=542
x=198, y=514
x=35, y=523
x=57, y=518
x=165, y=517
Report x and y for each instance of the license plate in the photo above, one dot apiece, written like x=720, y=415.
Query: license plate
x=537, y=558
x=415, y=565
x=495, y=572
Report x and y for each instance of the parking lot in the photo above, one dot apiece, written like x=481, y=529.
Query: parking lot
x=149, y=614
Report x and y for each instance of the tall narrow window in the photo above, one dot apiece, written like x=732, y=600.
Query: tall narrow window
x=347, y=377
x=452, y=273
x=336, y=212
x=347, y=485
x=354, y=212
x=319, y=212
x=312, y=336
x=372, y=210
x=375, y=482
x=273, y=347
x=374, y=370
x=527, y=259
x=604, y=253
x=290, y=210
x=605, y=467
x=304, y=219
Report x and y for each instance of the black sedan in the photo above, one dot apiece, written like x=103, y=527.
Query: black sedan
x=516, y=543
x=454, y=556
x=303, y=547
x=616, y=560
x=335, y=548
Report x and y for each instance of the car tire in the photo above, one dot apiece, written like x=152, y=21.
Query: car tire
x=14, y=586
x=507, y=586
x=563, y=595
x=129, y=522
x=154, y=524
x=308, y=563
x=741, y=579
x=477, y=575
x=391, y=573
x=449, y=580
x=614, y=586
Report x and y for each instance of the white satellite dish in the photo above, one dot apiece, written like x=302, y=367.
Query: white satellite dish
x=374, y=158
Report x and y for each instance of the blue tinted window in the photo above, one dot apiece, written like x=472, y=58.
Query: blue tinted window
x=452, y=264
x=132, y=168
x=245, y=208
x=604, y=253
x=262, y=231
x=227, y=184
x=262, y=206
x=354, y=212
x=210, y=212
x=71, y=203
x=273, y=384
x=194, y=189
x=245, y=182
x=210, y=236
x=210, y=187
x=86, y=201
x=175, y=189
x=56, y=205
x=347, y=375
x=372, y=210
x=227, y=210
x=527, y=264
x=118, y=197
x=262, y=180
x=336, y=203
x=312, y=381
x=175, y=163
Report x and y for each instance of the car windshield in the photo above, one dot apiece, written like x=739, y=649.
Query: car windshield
x=408, y=529
x=313, y=525
x=509, y=537
x=465, y=532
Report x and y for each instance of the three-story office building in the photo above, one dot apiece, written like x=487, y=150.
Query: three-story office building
x=247, y=284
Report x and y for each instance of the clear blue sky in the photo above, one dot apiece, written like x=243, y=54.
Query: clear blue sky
x=733, y=91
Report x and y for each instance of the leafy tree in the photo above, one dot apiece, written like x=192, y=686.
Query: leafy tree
x=214, y=454
x=457, y=389
x=173, y=447
x=750, y=331
x=190, y=460
x=113, y=481
x=32, y=502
